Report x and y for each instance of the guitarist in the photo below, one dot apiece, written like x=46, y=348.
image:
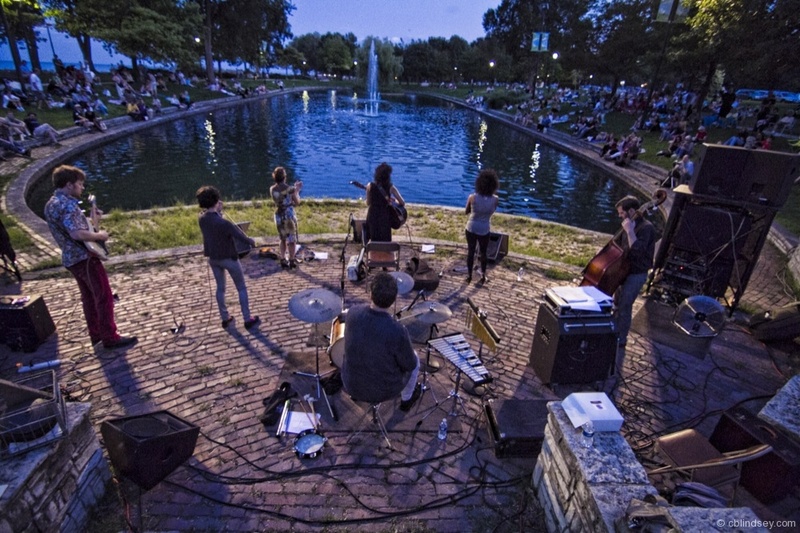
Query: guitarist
x=70, y=227
x=380, y=194
x=638, y=239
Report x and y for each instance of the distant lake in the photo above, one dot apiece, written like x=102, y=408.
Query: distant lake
x=325, y=139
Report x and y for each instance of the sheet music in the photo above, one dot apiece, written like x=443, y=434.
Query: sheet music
x=582, y=298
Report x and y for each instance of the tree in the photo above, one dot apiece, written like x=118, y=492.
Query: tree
x=308, y=45
x=514, y=22
x=157, y=30
x=621, y=40
x=290, y=57
x=77, y=18
x=334, y=54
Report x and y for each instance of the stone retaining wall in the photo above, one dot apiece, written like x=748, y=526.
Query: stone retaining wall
x=53, y=488
x=588, y=489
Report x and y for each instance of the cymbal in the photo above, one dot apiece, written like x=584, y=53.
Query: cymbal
x=315, y=305
x=432, y=312
x=404, y=282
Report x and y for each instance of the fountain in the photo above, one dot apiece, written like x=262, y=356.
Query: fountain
x=371, y=107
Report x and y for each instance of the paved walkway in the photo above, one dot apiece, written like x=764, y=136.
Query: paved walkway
x=242, y=478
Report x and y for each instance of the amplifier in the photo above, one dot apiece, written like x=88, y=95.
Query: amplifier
x=25, y=322
x=516, y=427
x=356, y=269
x=573, y=349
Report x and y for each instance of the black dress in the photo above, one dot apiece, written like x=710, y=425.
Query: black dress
x=379, y=216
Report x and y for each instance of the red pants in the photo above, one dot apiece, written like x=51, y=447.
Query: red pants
x=97, y=299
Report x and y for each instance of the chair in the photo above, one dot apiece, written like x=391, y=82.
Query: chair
x=688, y=451
x=381, y=254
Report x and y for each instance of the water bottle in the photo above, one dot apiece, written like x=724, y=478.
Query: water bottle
x=21, y=369
x=443, y=429
x=587, y=434
x=520, y=273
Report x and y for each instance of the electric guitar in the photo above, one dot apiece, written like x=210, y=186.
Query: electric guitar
x=96, y=248
x=399, y=213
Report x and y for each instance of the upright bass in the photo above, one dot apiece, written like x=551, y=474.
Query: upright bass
x=609, y=268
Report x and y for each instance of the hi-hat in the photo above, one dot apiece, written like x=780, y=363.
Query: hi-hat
x=432, y=312
x=315, y=305
x=404, y=282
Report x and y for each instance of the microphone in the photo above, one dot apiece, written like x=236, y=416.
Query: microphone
x=352, y=182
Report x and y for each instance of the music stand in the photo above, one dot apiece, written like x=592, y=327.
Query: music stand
x=477, y=323
x=316, y=306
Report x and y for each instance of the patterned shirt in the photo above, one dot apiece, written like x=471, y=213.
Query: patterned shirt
x=63, y=215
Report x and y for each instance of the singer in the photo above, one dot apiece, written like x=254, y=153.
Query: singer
x=219, y=245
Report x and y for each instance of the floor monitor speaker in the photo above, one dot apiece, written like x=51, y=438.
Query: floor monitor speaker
x=498, y=247
x=25, y=322
x=147, y=448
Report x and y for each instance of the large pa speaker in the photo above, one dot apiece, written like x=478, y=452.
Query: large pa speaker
x=711, y=231
x=25, y=322
x=736, y=174
x=572, y=349
x=497, y=248
x=769, y=477
x=719, y=171
x=768, y=176
x=147, y=448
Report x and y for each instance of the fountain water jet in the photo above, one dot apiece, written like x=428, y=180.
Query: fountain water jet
x=371, y=107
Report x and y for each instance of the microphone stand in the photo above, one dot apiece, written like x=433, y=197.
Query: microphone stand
x=342, y=258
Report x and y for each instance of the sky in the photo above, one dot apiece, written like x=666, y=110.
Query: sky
x=395, y=20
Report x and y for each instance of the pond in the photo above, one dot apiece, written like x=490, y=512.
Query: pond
x=325, y=138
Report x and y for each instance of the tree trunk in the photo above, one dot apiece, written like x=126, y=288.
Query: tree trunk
x=12, y=44
x=85, y=44
x=135, y=67
x=698, y=105
x=33, y=50
x=207, y=47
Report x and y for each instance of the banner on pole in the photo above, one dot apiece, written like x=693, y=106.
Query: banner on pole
x=671, y=11
x=541, y=42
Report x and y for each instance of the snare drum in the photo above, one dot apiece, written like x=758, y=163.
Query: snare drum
x=336, y=348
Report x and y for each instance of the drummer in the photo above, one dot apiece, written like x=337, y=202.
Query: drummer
x=379, y=362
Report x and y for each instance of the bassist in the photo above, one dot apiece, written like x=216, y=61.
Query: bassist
x=381, y=194
x=638, y=240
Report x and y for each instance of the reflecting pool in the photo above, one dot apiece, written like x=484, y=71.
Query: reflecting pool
x=324, y=138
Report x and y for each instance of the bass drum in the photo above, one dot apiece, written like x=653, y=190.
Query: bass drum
x=336, y=348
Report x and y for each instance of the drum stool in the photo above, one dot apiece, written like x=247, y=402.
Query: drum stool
x=374, y=409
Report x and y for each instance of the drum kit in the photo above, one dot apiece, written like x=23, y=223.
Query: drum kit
x=316, y=306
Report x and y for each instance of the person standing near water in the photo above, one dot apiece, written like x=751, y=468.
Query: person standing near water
x=380, y=194
x=481, y=205
x=285, y=199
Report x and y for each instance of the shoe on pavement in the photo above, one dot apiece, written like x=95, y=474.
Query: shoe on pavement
x=227, y=322
x=252, y=322
x=120, y=342
x=406, y=405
